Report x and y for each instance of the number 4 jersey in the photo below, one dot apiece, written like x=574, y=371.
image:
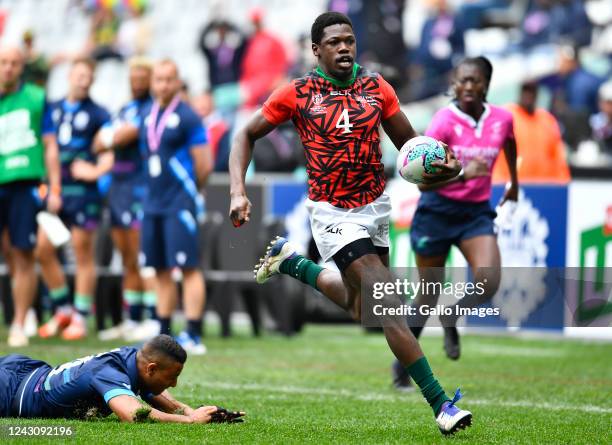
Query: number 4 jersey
x=339, y=128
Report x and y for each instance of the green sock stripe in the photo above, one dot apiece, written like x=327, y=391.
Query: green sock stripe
x=149, y=298
x=82, y=302
x=301, y=269
x=59, y=293
x=421, y=373
x=132, y=297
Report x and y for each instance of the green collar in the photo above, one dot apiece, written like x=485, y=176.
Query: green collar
x=336, y=82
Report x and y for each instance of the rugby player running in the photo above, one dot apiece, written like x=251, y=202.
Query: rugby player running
x=337, y=110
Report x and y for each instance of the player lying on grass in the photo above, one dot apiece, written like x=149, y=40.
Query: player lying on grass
x=99, y=385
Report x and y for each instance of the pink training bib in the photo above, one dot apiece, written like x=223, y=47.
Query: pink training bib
x=469, y=139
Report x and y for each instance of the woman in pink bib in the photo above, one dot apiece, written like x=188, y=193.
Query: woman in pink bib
x=457, y=212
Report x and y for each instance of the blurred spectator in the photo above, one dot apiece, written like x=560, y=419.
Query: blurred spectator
x=265, y=63
x=548, y=21
x=184, y=91
x=279, y=151
x=305, y=60
x=378, y=27
x=574, y=90
x=601, y=123
x=135, y=32
x=540, y=149
x=218, y=130
x=36, y=69
x=102, y=42
x=474, y=14
x=441, y=43
x=265, y=66
x=222, y=44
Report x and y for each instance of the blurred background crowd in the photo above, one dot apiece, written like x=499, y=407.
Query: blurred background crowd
x=551, y=57
x=552, y=69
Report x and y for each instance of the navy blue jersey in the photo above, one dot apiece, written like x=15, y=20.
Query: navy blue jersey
x=128, y=159
x=76, y=388
x=76, y=124
x=174, y=188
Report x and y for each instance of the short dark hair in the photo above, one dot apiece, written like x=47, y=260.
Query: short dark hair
x=323, y=21
x=164, y=346
x=88, y=61
x=482, y=63
x=530, y=85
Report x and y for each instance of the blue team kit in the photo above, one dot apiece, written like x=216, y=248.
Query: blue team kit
x=76, y=125
x=80, y=388
x=169, y=228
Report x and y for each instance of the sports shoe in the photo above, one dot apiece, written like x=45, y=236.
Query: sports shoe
x=191, y=343
x=401, y=378
x=17, y=337
x=30, y=326
x=451, y=418
x=77, y=329
x=144, y=331
x=451, y=343
x=57, y=323
x=119, y=331
x=278, y=251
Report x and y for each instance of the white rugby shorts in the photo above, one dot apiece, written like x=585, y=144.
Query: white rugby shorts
x=335, y=227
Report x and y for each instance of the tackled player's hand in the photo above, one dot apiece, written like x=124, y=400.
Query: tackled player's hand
x=203, y=414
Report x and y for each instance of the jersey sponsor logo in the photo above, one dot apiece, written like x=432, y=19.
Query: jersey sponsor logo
x=173, y=121
x=56, y=115
x=81, y=120
x=17, y=162
x=317, y=108
x=367, y=100
x=383, y=230
x=333, y=230
x=15, y=132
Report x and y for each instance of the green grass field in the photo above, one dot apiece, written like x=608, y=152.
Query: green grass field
x=332, y=385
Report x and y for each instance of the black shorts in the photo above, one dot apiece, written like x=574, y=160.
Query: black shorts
x=440, y=222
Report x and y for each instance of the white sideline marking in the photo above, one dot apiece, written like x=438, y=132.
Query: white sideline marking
x=343, y=393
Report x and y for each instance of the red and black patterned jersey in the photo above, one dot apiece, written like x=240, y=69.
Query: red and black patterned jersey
x=339, y=131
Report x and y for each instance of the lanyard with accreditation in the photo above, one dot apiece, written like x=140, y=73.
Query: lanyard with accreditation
x=154, y=133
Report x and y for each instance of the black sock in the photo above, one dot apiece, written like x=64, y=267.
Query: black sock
x=164, y=325
x=194, y=328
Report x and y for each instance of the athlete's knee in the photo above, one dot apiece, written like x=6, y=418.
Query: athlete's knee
x=44, y=252
x=354, y=308
x=487, y=279
x=22, y=259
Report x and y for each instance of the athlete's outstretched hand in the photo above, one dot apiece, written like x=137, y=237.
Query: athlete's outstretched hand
x=240, y=210
x=203, y=414
x=448, y=169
